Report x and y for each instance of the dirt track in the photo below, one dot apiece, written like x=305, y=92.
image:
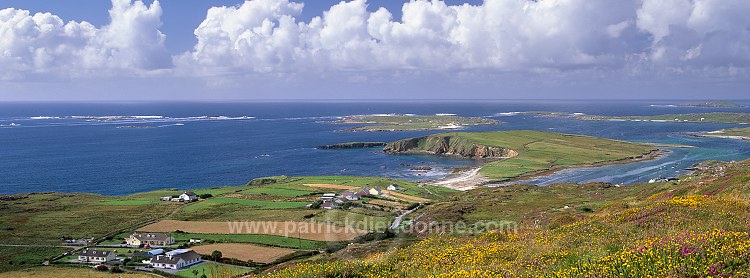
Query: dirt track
x=244, y=252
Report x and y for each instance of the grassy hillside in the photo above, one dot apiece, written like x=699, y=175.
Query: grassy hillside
x=697, y=227
x=536, y=150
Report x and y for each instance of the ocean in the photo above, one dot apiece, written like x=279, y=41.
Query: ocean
x=119, y=148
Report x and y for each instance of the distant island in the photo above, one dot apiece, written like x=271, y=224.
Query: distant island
x=716, y=117
x=521, y=153
x=711, y=104
x=408, y=122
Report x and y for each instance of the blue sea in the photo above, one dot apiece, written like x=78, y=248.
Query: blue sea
x=127, y=147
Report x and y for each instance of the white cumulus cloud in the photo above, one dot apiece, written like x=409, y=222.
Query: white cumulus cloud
x=499, y=35
x=43, y=44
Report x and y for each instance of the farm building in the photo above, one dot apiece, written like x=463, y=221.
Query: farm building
x=393, y=187
x=188, y=196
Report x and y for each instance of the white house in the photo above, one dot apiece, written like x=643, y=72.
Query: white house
x=393, y=187
x=188, y=196
x=98, y=256
x=176, y=259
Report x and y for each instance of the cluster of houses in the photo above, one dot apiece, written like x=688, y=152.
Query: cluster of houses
x=187, y=196
x=333, y=200
x=157, y=258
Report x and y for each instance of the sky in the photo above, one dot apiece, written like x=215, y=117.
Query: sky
x=324, y=49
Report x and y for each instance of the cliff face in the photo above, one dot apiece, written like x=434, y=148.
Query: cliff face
x=447, y=145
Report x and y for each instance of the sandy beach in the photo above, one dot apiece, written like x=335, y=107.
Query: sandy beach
x=463, y=181
x=469, y=179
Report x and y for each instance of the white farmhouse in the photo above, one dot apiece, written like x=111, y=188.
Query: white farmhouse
x=176, y=259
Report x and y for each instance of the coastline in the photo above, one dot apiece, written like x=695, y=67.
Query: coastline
x=717, y=135
x=464, y=180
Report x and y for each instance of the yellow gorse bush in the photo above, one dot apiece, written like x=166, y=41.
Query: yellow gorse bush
x=619, y=244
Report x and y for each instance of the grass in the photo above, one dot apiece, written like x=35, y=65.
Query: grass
x=536, y=150
x=60, y=271
x=251, y=203
x=14, y=258
x=413, y=189
x=693, y=228
x=45, y=218
x=360, y=221
x=411, y=123
x=213, y=270
x=127, y=202
x=279, y=190
x=270, y=240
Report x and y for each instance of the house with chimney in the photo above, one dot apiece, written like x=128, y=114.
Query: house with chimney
x=95, y=256
x=153, y=239
x=176, y=259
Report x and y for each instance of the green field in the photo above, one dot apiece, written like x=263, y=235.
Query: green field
x=270, y=240
x=397, y=122
x=14, y=258
x=128, y=202
x=536, y=150
x=45, y=218
x=410, y=188
x=280, y=190
x=212, y=270
x=251, y=203
x=357, y=220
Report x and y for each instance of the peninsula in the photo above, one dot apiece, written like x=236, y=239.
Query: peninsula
x=409, y=122
x=520, y=153
x=730, y=133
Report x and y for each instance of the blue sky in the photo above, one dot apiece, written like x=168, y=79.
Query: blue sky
x=278, y=49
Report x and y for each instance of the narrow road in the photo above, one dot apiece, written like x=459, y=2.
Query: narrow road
x=397, y=221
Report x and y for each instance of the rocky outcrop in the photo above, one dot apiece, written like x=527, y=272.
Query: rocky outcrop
x=447, y=145
x=352, y=145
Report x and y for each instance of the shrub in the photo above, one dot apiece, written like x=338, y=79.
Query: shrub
x=116, y=270
x=102, y=267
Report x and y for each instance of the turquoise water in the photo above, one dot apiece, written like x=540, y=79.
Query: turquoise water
x=77, y=147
